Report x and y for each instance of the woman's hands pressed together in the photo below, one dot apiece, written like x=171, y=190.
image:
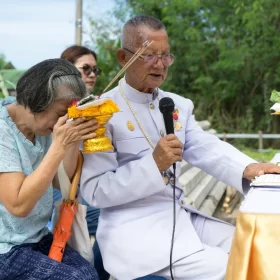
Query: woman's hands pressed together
x=67, y=133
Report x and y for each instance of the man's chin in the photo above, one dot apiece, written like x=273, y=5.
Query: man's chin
x=155, y=84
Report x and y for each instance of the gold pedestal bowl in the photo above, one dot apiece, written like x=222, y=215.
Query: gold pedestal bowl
x=102, y=110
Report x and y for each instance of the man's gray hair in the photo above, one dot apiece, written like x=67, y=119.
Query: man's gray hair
x=138, y=21
x=48, y=81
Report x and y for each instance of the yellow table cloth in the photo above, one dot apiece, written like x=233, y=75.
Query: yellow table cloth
x=255, y=253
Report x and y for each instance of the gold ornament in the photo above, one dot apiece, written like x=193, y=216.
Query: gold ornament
x=130, y=126
x=177, y=126
x=102, y=113
x=166, y=179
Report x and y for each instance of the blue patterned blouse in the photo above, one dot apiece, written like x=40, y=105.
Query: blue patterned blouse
x=18, y=154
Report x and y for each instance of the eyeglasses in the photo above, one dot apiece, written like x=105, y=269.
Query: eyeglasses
x=87, y=69
x=152, y=59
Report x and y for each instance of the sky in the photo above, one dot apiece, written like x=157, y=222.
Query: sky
x=34, y=30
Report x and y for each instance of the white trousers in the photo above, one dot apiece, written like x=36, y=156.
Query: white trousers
x=209, y=263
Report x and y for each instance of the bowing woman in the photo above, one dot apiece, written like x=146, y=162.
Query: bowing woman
x=35, y=138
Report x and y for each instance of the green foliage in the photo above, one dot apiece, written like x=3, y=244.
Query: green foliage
x=6, y=78
x=3, y=61
x=104, y=40
x=264, y=156
x=275, y=96
x=227, y=56
x=11, y=77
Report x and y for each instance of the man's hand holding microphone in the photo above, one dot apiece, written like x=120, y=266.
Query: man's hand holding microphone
x=167, y=151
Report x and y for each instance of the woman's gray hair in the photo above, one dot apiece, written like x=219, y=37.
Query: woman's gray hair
x=48, y=81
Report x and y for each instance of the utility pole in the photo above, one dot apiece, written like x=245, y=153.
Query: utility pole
x=79, y=22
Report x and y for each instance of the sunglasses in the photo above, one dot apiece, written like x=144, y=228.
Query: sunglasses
x=88, y=69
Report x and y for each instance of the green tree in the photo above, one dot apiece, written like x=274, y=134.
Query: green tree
x=227, y=56
x=105, y=43
x=3, y=63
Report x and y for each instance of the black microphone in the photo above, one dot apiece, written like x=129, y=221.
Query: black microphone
x=166, y=107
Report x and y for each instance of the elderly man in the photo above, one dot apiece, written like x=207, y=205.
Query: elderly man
x=131, y=184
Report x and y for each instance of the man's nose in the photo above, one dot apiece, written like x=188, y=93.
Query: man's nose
x=159, y=63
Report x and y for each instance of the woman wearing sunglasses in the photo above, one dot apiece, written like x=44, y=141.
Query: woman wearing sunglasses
x=86, y=62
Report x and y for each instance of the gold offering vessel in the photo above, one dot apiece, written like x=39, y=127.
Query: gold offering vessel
x=100, y=109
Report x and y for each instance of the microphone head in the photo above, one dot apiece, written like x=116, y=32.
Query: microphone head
x=166, y=104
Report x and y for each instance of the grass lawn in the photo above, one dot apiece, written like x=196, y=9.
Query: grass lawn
x=262, y=156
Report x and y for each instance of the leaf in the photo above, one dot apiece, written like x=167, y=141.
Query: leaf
x=275, y=96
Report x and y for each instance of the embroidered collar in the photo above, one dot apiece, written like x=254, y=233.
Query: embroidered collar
x=137, y=96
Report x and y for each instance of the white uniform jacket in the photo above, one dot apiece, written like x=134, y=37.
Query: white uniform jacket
x=135, y=224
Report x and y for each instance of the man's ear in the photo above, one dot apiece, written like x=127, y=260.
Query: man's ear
x=121, y=56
